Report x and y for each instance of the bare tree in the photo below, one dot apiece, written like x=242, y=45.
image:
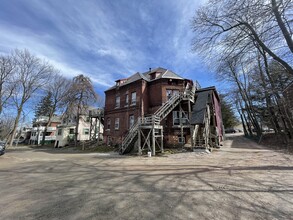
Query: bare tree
x=7, y=67
x=59, y=89
x=31, y=74
x=243, y=39
x=233, y=27
x=6, y=125
x=81, y=95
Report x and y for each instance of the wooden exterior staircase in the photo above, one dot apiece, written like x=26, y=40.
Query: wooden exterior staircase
x=154, y=120
x=129, y=140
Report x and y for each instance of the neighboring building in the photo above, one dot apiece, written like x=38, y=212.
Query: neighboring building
x=23, y=135
x=158, y=100
x=39, y=128
x=90, y=127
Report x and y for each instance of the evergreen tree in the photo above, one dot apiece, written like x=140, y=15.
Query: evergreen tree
x=45, y=106
x=228, y=115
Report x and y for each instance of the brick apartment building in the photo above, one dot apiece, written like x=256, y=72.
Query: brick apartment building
x=139, y=97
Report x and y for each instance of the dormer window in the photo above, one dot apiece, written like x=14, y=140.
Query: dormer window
x=120, y=82
x=155, y=75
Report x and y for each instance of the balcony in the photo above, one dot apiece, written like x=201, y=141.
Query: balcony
x=51, y=129
x=42, y=128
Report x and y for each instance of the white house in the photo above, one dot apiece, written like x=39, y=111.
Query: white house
x=39, y=128
x=90, y=127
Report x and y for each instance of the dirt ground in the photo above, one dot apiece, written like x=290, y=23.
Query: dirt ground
x=242, y=180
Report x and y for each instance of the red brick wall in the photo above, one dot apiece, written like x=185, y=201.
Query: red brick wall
x=149, y=95
x=123, y=112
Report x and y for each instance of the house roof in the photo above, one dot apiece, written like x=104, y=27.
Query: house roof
x=199, y=109
x=163, y=73
x=43, y=119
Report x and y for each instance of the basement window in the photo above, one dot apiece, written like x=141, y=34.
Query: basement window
x=181, y=140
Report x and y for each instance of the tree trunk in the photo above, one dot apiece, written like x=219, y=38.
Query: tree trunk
x=282, y=25
x=11, y=138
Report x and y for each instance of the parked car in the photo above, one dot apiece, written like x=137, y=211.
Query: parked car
x=2, y=148
x=230, y=130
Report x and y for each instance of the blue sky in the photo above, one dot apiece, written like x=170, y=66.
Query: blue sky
x=105, y=39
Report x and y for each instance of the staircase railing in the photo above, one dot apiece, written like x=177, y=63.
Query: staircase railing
x=156, y=118
x=129, y=137
x=165, y=109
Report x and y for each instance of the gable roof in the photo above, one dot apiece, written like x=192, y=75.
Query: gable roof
x=163, y=73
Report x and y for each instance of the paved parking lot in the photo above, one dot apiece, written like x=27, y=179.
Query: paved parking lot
x=239, y=181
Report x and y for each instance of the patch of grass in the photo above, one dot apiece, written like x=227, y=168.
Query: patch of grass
x=99, y=149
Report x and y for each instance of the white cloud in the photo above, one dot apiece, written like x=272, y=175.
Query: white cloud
x=106, y=40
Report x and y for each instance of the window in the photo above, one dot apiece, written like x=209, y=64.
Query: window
x=86, y=131
x=108, y=123
x=126, y=100
x=181, y=140
x=116, y=123
x=171, y=92
x=175, y=92
x=59, y=131
x=168, y=93
x=87, y=119
x=71, y=131
x=133, y=98
x=131, y=120
x=117, y=102
x=177, y=116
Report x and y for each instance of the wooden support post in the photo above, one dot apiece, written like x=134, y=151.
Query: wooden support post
x=91, y=127
x=149, y=140
x=153, y=141
x=96, y=128
x=181, y=126
x=191, y=128
x=139, y=141
x=162, y=141
x=99, y=128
